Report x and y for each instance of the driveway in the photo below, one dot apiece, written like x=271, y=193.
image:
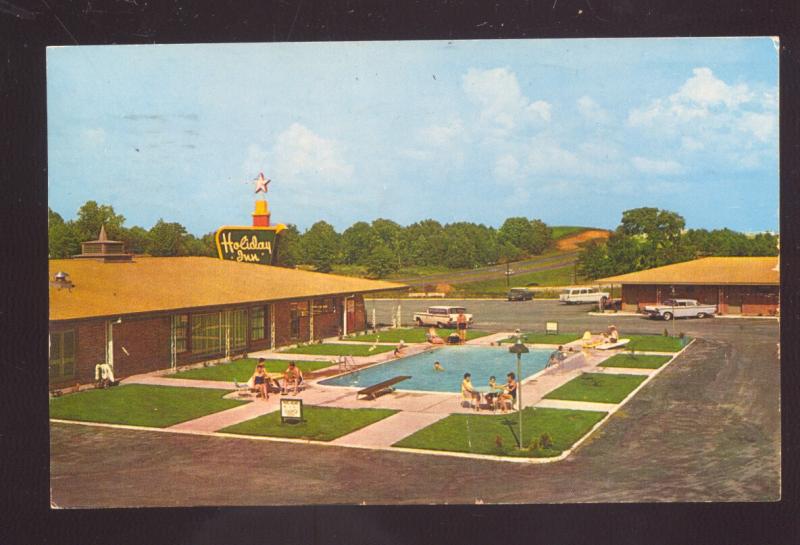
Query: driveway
x=706, y=429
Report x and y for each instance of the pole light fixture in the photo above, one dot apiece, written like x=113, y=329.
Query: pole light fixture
x=519, y=349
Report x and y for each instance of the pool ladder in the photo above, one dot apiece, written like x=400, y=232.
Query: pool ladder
x=346, y=363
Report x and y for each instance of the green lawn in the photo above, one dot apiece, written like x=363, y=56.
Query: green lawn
x=597, y=388
x=320, y=423
x=141, y=405
x=333, y=349
x=411, y=335
x=635, y=362
x=241, y=370
x=553, y=277
x=654, y=343
x=541, y=338
x=497, y=434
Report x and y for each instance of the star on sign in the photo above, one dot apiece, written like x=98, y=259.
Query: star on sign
x=261, y=183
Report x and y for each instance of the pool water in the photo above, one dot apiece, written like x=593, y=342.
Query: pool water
x=481, y=362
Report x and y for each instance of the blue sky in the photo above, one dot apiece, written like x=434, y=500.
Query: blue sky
x=569, y=131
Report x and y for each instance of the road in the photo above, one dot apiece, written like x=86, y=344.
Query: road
x=706, y=429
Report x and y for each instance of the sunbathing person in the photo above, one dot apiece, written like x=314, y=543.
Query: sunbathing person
x=432, y=337
x=399, y=347
x=468, y=391
x=611, y=335
x=261, y=380
x=292, y=377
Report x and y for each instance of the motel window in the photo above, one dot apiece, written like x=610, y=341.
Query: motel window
x=62, y=354
x=294, y=321
x=235, y=334
x=180, y=325
x=257, y=323
x=207, y=333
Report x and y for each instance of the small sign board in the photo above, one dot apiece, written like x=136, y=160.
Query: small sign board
x=248, y=244
x=291, y=410
x=551, y=328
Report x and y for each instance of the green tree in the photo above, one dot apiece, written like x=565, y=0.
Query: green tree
x=425, y=243
x=357, y=243
x=92, y=216
x=659, y=233
x=380, y=262
x=289, y=250
x=530, y=236
x=136, y=239
x=320, y=245
x=593, y=261
x=62, y=239
x=166, y=239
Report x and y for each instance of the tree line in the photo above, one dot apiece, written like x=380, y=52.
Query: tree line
x=381, y=247
x=650, y=237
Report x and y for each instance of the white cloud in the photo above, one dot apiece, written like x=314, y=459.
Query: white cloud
x=592, y=111
x=760, y=125
x=656, y=166
x=301, y=154
x=442, y=135
x=691, y=144
x=706, y=90
x=502, y=102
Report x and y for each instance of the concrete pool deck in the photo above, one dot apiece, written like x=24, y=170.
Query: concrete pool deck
x=416, y=410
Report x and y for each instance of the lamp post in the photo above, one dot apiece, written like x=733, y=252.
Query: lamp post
x=519, y=349
x=672, y=292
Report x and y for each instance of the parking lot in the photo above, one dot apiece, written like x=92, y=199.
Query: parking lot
x=706, y=429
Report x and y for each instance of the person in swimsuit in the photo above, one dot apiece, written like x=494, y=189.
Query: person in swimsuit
x=494, y=392
x=291, y=377
x=461, y=321
x=437, y=366
x=509, y=395
x=260, y=380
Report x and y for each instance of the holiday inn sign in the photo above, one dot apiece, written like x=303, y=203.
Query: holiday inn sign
x=248, y=244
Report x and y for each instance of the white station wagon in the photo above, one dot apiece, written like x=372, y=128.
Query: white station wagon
x=571, y=296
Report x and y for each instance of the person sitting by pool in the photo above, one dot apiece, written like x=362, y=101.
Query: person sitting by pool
x=454, y=338
x=611, y=335
x=507, y=399
x=437, y=366
x=469, y=392
x=292, y=377
x=399, y=347
x=557, y=356
x=432, y=337
x=261, y=380
x=494, y=392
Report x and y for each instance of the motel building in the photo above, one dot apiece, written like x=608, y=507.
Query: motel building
x=143, y=314
x=736, y=285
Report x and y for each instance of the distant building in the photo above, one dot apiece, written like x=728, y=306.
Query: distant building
x=736, y=285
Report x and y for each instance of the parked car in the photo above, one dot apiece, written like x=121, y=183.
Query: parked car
x=441, y=316
x=520, y=294
x=571, y=296
x=680, y=308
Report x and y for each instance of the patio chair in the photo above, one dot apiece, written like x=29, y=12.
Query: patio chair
x=470, y=400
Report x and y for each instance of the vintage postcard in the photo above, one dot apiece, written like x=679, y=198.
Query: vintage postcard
x=421, y=272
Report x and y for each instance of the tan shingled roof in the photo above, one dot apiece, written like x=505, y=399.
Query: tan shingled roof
x=150, y=284
x=708, y=271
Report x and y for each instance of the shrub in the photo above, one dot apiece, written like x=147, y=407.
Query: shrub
x=681, y=335
x=534, y=445
x=666, y=333
x=545, y=440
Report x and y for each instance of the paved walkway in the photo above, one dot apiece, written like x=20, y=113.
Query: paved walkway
x=154, y=380
x=389, y=431
x=576, y=405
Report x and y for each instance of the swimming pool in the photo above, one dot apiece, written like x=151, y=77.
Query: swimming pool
x=482, y=362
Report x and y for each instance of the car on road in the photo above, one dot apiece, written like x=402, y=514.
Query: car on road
x=578, y=295
x=441, y=316
x=520, y=294
x=680, y=308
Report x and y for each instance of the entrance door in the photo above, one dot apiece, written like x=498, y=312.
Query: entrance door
x=350, y=305
x=734, y=300
x=294, y=320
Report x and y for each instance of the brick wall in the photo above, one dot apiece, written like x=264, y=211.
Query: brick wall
x=360, y=322
x=147, y=342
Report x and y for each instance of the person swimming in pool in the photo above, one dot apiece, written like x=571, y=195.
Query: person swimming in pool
x=437, y=366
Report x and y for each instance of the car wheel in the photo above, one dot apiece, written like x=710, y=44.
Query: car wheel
x=439, y=325
x=419, y=322
x=701, y=315
x=668, y=316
